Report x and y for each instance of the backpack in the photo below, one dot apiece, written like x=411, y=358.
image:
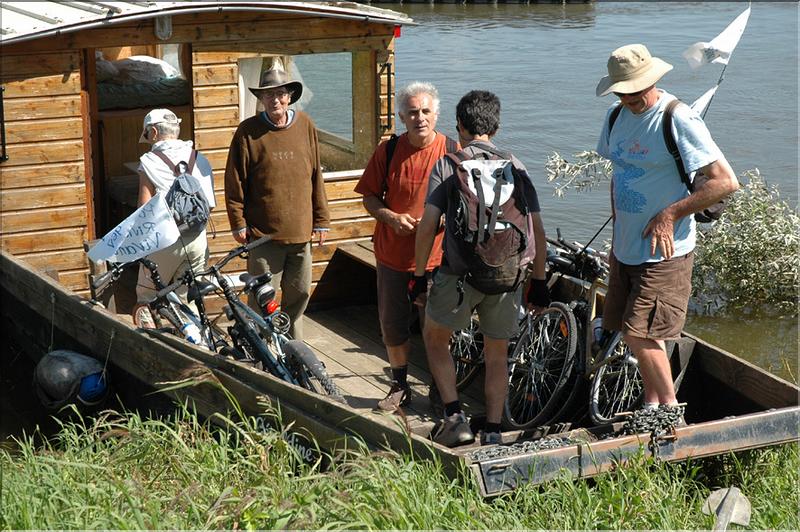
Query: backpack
x=488, y=228
x=185, y=198
x=709, y=214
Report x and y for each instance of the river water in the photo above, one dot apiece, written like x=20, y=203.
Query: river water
x=544, y=61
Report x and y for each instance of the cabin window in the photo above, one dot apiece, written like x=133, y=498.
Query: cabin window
x=327, y=88
x=134, y=77
x=327, y=97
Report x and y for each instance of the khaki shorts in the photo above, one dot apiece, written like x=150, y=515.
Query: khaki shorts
x=648, y=300
x=498, y=314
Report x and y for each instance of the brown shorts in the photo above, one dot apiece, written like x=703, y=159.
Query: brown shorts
x=648, y=300
x=395, y=312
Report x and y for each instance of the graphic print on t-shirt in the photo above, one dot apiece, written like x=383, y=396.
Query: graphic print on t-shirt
x=625, y=198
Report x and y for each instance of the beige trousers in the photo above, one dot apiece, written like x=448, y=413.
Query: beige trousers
x=172, y=262
x=290, y=265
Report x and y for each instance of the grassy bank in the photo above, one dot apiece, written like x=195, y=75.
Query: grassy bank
x=122, y=471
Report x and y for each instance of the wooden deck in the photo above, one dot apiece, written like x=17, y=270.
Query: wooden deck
x=347, y=340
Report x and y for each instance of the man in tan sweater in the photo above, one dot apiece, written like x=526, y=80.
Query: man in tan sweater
x=274, y=187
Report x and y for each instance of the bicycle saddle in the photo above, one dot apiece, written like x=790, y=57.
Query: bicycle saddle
x=251, y=281
x=199, y=289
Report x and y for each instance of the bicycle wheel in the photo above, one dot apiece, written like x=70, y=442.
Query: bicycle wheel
x=309, y=371
x=616, y=385
x=540, y=367
x=466, y=348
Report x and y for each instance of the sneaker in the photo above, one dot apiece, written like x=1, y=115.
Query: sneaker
x=491, y=438
x=453, y=431
x=397, y=397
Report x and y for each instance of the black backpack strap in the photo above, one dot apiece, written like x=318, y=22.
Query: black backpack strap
x=498, y=185
x=672, y=147
x=391, y=144
x=476, y=179
x=613, y=117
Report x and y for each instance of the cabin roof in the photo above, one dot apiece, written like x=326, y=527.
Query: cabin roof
x=22, y=21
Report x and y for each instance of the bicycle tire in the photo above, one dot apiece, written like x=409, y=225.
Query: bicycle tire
x=616, y=385
x=540, y=367
x=466, y=349
x=307, y=369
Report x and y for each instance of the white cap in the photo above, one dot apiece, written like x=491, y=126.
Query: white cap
x=158, y=116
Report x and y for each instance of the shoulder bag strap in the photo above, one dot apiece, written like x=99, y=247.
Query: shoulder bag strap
x=672, y=147
x=172, y=166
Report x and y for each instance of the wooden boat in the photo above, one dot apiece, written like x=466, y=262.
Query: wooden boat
x=64, y=181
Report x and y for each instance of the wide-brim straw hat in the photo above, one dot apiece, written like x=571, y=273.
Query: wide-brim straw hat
x=631, y=68
x=275, y=78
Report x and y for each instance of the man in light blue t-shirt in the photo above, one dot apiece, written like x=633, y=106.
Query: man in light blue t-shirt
x=654, y=227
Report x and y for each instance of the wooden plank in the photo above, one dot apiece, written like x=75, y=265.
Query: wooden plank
x=13, y=67
x=45, y=106
x=221, y=74
x=215, y=96
x=361, y=253
x=55, y=196
x=44, y=152
x=217, y=158
x=43, y=130
x=72, y=259
x=38, y=219
x=74, y=279
x=214, y=117
x=337, y=190
x=214, y=138
x=52, y=240
x=352, y=228
x=741, y=375
x=346, y=209
x=40, y=175
x=43, y=85
x=299, y=47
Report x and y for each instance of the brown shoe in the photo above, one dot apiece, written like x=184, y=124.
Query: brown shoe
x=397, y=397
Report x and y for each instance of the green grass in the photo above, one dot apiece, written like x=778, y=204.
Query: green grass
x=122, y=471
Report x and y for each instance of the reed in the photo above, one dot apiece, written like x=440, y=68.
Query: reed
x=123, y=471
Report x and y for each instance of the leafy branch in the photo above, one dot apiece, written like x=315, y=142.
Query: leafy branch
x=587, y=171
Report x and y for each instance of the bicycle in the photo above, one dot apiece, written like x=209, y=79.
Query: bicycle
x=262, y=338
x=604, y=361
x=166, y=309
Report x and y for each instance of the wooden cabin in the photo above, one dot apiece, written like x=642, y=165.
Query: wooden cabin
x=72, y=109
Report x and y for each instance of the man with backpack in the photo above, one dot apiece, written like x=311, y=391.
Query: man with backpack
x=654, y=143
x=394, y=186
x=189, y=196
x=493, y=235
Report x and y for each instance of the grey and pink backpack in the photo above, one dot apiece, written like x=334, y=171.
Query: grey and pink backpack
x=489, y=230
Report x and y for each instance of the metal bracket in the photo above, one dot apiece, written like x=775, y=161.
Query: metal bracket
x=3, y=151
x=163, y=27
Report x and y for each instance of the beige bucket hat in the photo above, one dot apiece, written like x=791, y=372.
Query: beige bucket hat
x=274, y=78
x=631, y=68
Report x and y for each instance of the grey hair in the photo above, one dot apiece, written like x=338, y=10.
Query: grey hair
x=167, y=130
x=415, y=88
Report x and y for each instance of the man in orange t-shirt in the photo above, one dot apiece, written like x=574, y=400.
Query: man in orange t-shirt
x=395, y=197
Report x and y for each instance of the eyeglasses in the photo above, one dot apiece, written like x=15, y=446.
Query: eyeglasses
x=630, y=94
x=276, y=93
